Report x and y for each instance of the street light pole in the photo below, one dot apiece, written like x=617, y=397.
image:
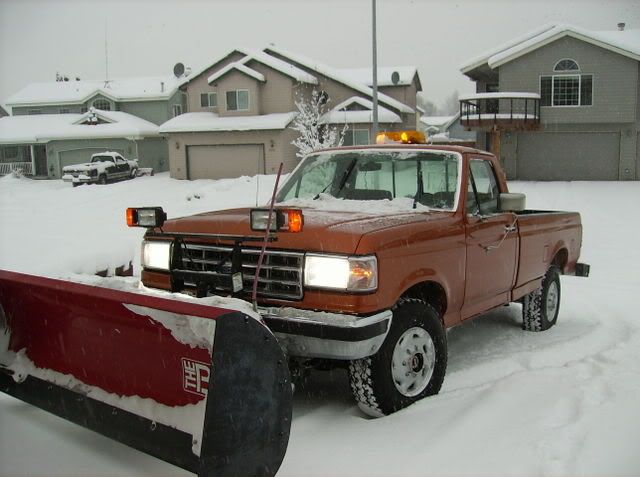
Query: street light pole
x=375, y=71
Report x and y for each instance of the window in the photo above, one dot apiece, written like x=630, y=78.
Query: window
x=566, y=65
x=482, y=189
x=64, y=111
x=356, y=137
x=238, y=100
x=34, y=111
x=10, y=153
x=209, y=100
x=177, y=110
x=566, y=90
x=102, y=104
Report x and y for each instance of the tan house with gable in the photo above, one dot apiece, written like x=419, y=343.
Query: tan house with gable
x=240, y=109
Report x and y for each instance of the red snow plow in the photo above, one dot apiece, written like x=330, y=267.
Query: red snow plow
x=201, y=387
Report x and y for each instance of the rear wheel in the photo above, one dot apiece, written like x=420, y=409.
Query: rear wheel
x=409, y=366
x=134, y=172
x=540, y=307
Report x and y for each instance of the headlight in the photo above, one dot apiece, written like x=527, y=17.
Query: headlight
x=156, y=255
x=341, y=273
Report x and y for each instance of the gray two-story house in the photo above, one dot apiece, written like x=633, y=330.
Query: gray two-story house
x=240, y=110
x=58, y=123
x=560, y=103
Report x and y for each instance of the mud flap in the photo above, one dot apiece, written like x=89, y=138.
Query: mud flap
x=201, y=387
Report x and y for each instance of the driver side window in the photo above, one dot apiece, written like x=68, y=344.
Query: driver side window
x=484, y=196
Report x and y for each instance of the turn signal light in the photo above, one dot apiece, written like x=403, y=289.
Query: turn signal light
x=402, y=137
x=145, y=217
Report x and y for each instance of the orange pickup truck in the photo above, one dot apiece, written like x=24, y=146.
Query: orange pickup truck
x=372, y=253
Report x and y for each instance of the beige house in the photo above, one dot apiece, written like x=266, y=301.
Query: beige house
x=240, y=109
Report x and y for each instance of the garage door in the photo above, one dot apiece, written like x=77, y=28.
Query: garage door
x=568, y=156
x=219, y=162
x=78, y=156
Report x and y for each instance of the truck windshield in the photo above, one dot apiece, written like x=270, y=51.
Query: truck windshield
x=431, y=178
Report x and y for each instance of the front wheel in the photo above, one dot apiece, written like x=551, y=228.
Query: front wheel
x=540, y=307
x=410, y=364
x=102, y=179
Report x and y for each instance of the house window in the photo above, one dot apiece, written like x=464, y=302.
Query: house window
x=356, y=137
x=209, y=100
x=64, y=111
x=34, y=111
x=177, y=110
x=102, y=104
x=566, y=65
x=10, y=153
x=566, y=90
x=238, y=100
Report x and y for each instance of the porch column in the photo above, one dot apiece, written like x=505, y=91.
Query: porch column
x=33, y=160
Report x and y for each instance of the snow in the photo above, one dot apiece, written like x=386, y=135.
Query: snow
x=27, y=129
x=279, y=65
x=75, y=92
x=206, y=121
x=438, y=121
x=501, y=95
x=626, y=42
x=340, y=115
x=336, y=75
x=558, y=403
x=236, y=66
x=365, y=75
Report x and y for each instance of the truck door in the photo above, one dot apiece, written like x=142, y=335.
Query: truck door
x=492, y=242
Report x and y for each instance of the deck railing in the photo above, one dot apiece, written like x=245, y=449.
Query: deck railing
x=9, y=167
x=501, y=110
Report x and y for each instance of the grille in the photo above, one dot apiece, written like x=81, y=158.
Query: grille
x=280, y=273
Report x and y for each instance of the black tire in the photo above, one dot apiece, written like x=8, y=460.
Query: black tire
x=540, y=307
x=102, y=179
x=372, y=379
x=133, y=173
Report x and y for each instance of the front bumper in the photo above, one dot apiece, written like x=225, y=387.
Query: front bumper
x=79, y=179
x=313, y=334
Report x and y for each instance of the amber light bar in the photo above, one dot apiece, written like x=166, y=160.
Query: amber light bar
x=403, y=137
x=145, y=217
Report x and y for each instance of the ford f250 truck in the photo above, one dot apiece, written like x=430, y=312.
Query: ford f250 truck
x=373, y=252
x=104, y=167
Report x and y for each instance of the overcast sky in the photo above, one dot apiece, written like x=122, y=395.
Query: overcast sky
x=41, y=37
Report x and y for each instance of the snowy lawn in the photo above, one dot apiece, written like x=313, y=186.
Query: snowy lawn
x=564, y=402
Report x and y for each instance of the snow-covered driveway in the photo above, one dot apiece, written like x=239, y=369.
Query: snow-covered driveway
x=564, y=402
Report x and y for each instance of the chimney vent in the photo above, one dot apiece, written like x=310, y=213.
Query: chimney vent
x=162, y=86
x=621, y=26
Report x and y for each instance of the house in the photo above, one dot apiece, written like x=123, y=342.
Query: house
x=241, y=106
x=447, y=130
x=41, y=145
x=58, y=123
x=559, y=103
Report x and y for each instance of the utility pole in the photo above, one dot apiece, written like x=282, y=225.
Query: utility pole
x=375, y=71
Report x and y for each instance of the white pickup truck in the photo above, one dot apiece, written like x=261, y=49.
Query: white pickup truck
x=104, y=167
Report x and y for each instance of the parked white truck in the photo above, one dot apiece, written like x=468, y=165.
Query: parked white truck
x=104, y=167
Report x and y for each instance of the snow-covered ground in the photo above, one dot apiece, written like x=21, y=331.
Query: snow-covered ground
x=564, y=402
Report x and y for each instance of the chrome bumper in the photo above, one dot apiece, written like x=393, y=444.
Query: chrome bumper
x=314, y=334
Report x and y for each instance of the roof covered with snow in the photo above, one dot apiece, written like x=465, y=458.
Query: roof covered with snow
x=341, y=115
x=238, y=66
x=625, y=42
x=40, y=128
x=206, y=121
x=385, y=74
x=336, y=75
x=75, y=92
x=437, y=121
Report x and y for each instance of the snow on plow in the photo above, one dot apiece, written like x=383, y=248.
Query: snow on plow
x=204, y=388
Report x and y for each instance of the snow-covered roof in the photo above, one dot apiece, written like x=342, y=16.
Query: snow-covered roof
x=26, y=129
x=236, y=65
x=437, y=121
x=340, y=115
x=385, y=73
x=277, y=64
x=500, y=95
x=625, y=42
x=75, y=92
x=335, y=74
x=206, y=121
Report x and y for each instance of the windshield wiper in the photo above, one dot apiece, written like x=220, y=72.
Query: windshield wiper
x=343, y=180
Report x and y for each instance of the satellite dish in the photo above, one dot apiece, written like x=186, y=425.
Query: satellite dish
x=178, y=70
x=395, y=77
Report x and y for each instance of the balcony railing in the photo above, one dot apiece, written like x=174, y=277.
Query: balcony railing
x=9, y=167
x=506, y=111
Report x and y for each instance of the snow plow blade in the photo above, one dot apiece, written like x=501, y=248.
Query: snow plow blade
x=201, y=387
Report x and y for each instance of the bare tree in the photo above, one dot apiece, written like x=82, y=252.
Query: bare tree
x=313, y=134
x=429, y=107
x=451, y=104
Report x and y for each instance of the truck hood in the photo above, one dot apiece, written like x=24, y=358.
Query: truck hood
x=323, y=230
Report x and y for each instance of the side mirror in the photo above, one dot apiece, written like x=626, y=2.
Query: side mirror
x=512, y=202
